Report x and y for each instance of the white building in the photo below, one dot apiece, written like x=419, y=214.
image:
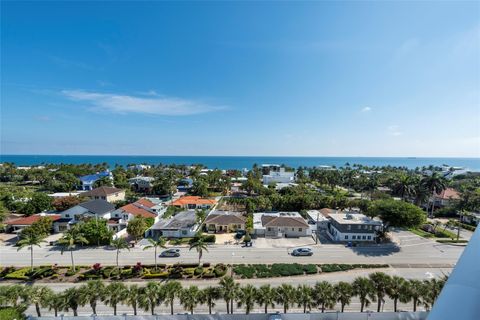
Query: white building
x=349, y=226
x=276, y=174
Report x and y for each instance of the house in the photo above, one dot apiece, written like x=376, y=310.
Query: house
x=57, y=195
x=472, y=218
x=182, y=225
x=224, y=221
x=88, y=180
x=444, y=198
x=349, y=226
x=109, y=194
x=317, y=219
x=184, y=185
x=89, y=209
x=280, y=225
x=153, y=204
x=194, y=202
x=17, y=225
x=132, y=210
x=142, y=184
x=274, y=173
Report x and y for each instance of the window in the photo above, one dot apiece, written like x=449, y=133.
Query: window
x=365, y=227
x=359, y=227
x=184, y=232
x=269, y=229
x=293, y=229
x=363, y=237
x=67, y=216
x=369, y=237
x=349, y=227
x=354, y=237
x=346, y=237
x=300, y=229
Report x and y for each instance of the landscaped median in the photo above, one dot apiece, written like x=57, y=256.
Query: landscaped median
x=173, y=271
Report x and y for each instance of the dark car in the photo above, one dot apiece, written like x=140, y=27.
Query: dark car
x=170, y=253
x=302, y=252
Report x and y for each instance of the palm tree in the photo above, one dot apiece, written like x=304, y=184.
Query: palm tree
x=246, y=297
x=344, y=292
x=435, y=184
x=266, y=296
x=29, y=240
x=208, y=296
x=55, y=302
x=363, y=288
x=415, y=291
x=200, y=245
x=38, y=295
x=160, y=243
x=92, y=292
x=9, y=295
x=172, y=289
x=70, y=240
x=150, y=296
x=380, y=282
x=405, y=185
x=324, y=295
x=189, y=298
x=285, y=296
x=304, y=297
x=228, y=291
x=396, y=291
x=72, y=300
x=114, y=294
x=132, y=297
x=119, y=244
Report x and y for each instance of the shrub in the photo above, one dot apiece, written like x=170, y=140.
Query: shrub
x=42, y=272
x=310, y=269
x=11, y=313
x=452, y=241
x=20, y=274
x=220, y=270
x=70, y=272
x=284, y=269
x=162, y=275
x=209, y=275
x=198, y=271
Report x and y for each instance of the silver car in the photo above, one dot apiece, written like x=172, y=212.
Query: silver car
x=170, y=253
x=302, y=252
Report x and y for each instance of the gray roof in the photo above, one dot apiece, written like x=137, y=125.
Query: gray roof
x=98, y=206
x=182, y=220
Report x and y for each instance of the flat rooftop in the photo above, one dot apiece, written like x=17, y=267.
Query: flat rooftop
x=353, y=218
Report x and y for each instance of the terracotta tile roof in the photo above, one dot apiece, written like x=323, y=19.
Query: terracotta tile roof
x=225, y=219
x=101, y=192
x=26, y=221
x=193, y=200
x=145, y=202
x=286, y=222
x=448, y=193
x=137, y=211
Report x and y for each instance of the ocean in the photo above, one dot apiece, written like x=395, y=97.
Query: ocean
x=240, y=162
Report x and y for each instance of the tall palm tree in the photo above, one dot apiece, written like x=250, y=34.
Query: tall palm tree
x=29, y=240
x=119, y=244
x=227, y=290
x=190, y=297
x=380, y=282
x=304, y=298
x=435, y=184
x=55, y=302
x=70, y=240
x=38, y=295
x=155, y=244
x=285, y=296
x=415, y=291
x=344, y=293
x=396, y=291
x=91, y=293
x=114, y=294
x=266, y=296
x=405, y=185
x=72, y=300
x=172, y=289
x=10, y=295
x=199, y=245
x=246, y=297
x=363, y=288
x=208, y=297
x=132, y=297
x=324, y=295
x=150, y=296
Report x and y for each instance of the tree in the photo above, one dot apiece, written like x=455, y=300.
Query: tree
x=64, y=203
x=199, y=245
x=119, y=244
x=208, y=296
x=414, y=291
x=29, y=241
x=228, y=289
x=9, y=295
x=304, y=297
x=38, y=295
x=200, y=188
x=55, y=302
x=344, y=292
x=103, y=182
x=396, y=291
x=72, y=300
x=404, y=185
x=160, y=243
x=189, y=298
x=266, y=296
x=136, y=227
x=246, y=297
x=132, y=297
x=92, y=292
x=363, y=288
x=285, y=296
x=151, y=296
x=171, y=290
x=42, y=227
x=435, y=184
x=397, y=213
x=41, y=202
x=70, y=240
x=324, y=295
x=380, y=282
x=114, y=294
x=96, y=231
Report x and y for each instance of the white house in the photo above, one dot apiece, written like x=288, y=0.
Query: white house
x=181, y=225
x=90, y=209
x=277, y=174
x=349, y=226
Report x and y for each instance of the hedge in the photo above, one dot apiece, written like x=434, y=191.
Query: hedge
x=20, y=274
x=452, y=241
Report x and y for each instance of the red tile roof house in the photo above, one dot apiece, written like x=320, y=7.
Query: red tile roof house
x=16, y=225
x=445, y=198
x=194, y=202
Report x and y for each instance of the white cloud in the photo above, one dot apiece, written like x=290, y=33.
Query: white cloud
x=124, y=104
x=366, y=109
x=394, y=130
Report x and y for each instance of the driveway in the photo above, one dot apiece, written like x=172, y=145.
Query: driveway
x=267, y=243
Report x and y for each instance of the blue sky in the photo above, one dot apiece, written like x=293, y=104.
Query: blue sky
x=313, y=79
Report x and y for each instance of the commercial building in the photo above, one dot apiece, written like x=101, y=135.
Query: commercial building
x=349, y=226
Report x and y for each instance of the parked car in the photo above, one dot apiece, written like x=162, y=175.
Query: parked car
x=170, y=253
x=302, y=252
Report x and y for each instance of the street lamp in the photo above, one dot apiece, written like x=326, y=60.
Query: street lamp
x=231, y=265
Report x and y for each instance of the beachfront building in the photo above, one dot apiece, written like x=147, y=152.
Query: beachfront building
x=350, y=226
x=182, y=225
x=87, y=181
x=273, y=173
x=194, y=202
x=109, y=194
x=280, y=225
x=224, y=221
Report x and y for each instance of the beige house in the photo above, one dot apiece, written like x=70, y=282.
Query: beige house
x=109, y=194
x=224, y=221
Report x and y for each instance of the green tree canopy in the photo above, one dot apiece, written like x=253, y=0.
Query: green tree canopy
x=397, y=213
